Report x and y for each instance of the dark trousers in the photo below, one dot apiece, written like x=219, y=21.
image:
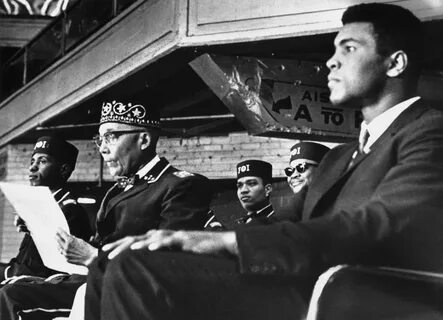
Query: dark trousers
x=173, y=285
x=38, y=300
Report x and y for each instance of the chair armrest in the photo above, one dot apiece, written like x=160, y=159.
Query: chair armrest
x=358, y=292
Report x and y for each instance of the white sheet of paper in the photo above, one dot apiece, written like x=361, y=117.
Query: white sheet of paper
x=42, y=215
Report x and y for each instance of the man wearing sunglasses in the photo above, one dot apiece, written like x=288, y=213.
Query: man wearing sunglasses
x=305, y=157
x=254, y=187
x=304, y=160
x=150, y=193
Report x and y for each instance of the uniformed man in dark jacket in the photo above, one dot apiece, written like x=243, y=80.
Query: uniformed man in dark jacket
x=149, y=194
x=254, y=187
x=52, y=162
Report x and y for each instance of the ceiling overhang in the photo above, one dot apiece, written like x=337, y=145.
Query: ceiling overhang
x=150, y=30
x=18, y=31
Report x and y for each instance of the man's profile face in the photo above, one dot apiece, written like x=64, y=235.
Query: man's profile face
x=44, y=170
x=122, y=156
x=357, y=72
x=251, y=193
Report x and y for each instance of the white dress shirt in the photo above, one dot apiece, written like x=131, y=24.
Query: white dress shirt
x=382, y=122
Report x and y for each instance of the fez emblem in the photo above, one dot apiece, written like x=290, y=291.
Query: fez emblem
x=129, y=113
x=243, y=168
x=43, y=144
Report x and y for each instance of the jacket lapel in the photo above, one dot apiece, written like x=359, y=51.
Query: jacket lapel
x=110, y=194
x=335, y=169
x=338, y=169
x=144, y=182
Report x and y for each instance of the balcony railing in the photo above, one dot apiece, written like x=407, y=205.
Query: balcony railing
x=62, y=35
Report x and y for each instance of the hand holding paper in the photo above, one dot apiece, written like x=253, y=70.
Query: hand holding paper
x=20, y=224
x=43, y=217
x=75, y=250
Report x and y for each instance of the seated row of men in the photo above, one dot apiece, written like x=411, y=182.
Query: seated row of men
x=53, y=161
x=375, y=201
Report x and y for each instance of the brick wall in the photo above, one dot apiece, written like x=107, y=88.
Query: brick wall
x=214, y=157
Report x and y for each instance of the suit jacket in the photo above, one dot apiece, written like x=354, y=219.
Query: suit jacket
x=28, y=260
x=165, y=198
x=384, y=210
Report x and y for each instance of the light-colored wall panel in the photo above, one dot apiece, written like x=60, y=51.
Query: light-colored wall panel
x=151, y=29
x=233, y=21
x=118, y=49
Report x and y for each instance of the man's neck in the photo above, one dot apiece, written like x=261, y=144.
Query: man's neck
x=54, y=188
x=372, y=109
x=393, y=93
x=143, y=161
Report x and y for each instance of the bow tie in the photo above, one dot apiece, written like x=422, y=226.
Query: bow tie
x=123, y=182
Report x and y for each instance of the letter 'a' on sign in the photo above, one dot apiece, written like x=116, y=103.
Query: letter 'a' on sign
x=278, y=98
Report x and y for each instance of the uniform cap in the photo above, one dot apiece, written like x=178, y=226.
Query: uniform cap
x=255, y=168
x=309, y=152
x=58, y=148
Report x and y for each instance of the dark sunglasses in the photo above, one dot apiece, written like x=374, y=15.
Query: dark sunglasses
x=300, y=168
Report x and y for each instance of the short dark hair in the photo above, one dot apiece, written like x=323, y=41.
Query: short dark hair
x=395, y=28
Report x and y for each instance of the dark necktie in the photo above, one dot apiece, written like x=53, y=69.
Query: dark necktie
x=362, y=140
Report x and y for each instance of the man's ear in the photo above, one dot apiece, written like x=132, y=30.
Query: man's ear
x=398, y=61
x=268, y=189
x=145, y=140
x=65, y=171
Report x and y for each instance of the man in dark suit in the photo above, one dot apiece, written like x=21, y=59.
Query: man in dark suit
x=52, y=162
x=254, y=188
x=376, y=201
x=149, y=194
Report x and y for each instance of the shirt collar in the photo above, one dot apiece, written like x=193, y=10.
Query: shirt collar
x=57, y=193
x=382, y=122
x=260, y=211
x=142, y=172
x=147, y=167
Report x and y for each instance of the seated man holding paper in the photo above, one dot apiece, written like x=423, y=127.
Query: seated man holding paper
x=52, y=162
x=150, y=194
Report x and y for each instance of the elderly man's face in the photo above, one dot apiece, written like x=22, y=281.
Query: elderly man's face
x=121, y=150
x=252, y=193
